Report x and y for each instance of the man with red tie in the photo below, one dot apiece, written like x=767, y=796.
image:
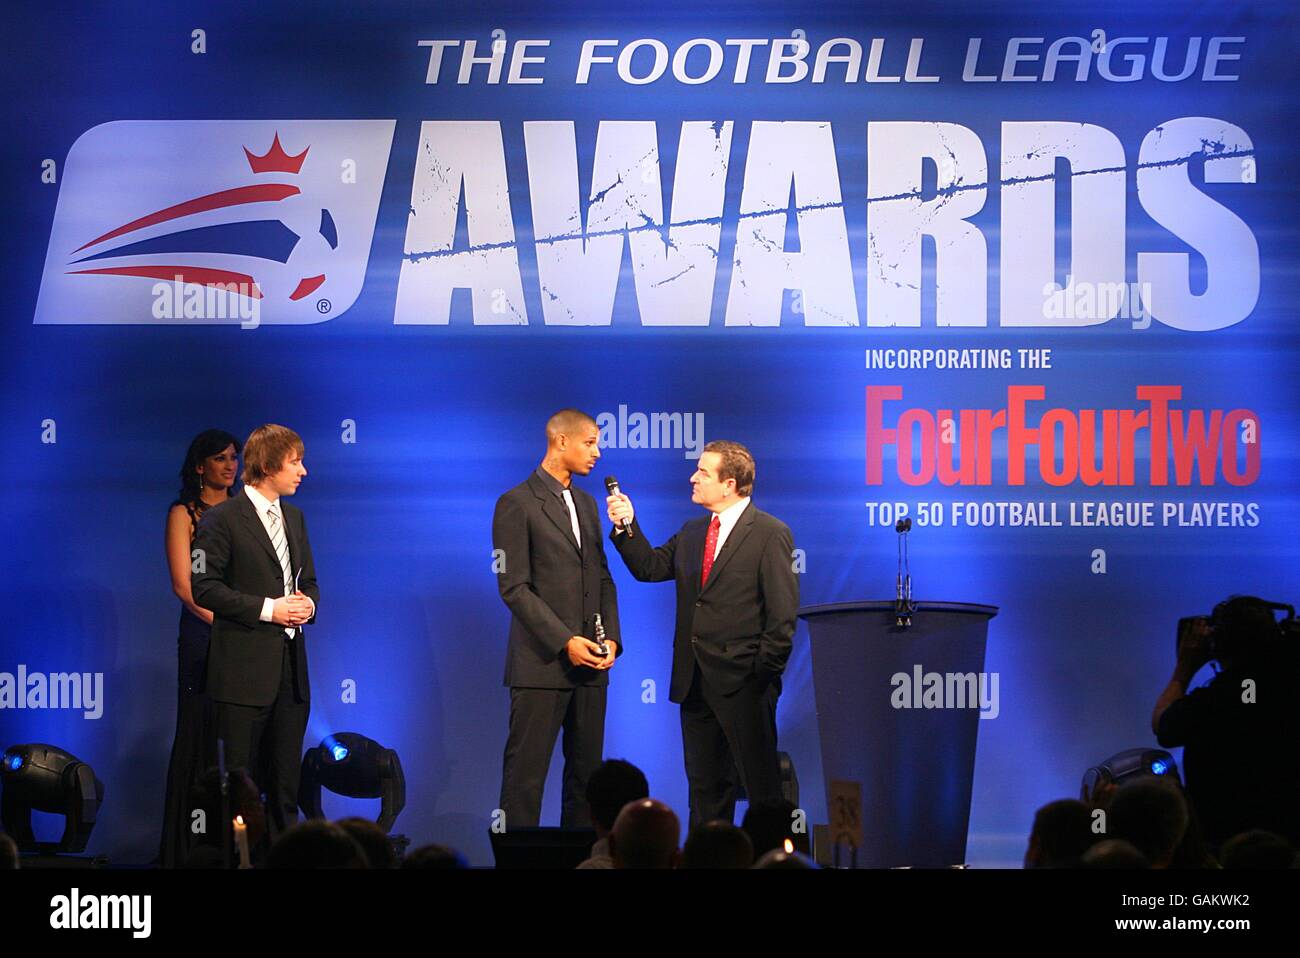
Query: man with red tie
x=737, y=594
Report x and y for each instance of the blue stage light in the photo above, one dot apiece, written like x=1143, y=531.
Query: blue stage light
x=13, y=761
x=1126, y=765
x=350, y=764
x=334, y=748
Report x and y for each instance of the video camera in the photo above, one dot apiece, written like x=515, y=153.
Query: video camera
x=1240, y=622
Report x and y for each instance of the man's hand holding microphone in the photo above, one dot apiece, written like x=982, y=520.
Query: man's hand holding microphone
x=620, y=512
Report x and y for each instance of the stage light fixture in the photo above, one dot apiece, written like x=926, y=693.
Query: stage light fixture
x=350, y=764
x=1129, y=764
x=45, y=778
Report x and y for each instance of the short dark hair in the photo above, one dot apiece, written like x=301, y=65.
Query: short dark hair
x=1257, y=849
x=1244, y=627
x=1151, y=814
x=717, y=844
x=316, y=844
x=1114, y=853
x=612, y=785
x=1064, y=832
x=737, y=463
x=566, y=421
x=373, y=841
x=434, y=858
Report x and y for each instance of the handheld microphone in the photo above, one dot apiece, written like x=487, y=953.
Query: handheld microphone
x=611, y=486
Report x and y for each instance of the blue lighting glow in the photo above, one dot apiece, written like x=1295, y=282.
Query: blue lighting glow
x=13, y=762
x=336, y=749
x=1159, y=767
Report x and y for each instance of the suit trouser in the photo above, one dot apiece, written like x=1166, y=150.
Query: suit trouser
x=267, y=740
x=729, y=740
x=536, y=717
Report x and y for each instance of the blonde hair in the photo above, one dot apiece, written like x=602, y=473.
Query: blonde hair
x=267, y=448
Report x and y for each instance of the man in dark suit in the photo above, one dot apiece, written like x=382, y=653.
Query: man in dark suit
x=737, y=593
x=553, y=577
x=259, y=581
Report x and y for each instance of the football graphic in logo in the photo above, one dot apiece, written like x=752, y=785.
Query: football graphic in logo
x=214, y=221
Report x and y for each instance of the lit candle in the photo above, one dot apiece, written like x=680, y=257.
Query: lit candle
x=241, y=842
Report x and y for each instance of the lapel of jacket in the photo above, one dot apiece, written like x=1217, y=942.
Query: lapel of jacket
x=588, y=519
x=734, y=539
x=692, y=547
x=555, y=510
x=253, y=523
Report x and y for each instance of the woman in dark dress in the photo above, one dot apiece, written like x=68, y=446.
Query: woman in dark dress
x=207, y=478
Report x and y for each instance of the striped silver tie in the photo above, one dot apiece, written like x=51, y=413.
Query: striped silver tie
x=281, y=546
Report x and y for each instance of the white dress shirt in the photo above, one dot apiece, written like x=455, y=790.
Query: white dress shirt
x=263, y=506
x=727, y=520
x=573, y=514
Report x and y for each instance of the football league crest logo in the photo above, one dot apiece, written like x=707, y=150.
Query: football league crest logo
x=214, y=221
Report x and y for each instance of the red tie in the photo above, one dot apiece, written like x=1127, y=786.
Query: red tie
x=710, y=546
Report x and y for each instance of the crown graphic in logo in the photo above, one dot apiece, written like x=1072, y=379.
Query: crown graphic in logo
x=275, y=160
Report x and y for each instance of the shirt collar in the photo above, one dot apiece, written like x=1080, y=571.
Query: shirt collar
x=551, y=483
x=260, y=502
x=730, y=515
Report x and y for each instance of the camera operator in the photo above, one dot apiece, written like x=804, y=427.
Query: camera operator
x=1238, y=731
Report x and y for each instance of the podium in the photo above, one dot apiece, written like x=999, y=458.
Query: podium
x=915, y=764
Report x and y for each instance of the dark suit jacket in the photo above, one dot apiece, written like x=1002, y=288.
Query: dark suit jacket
x=552, y=588
x=740, y=626
x=241, y=570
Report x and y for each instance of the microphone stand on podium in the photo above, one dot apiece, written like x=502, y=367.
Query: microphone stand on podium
x=903, y=604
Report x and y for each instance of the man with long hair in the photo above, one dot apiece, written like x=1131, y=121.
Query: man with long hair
x=255, y=573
